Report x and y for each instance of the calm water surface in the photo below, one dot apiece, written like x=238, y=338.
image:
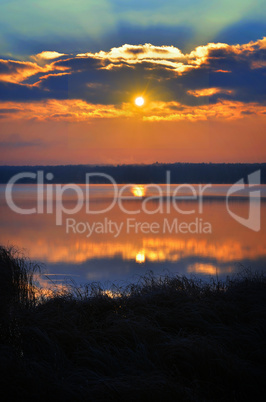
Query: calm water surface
x=118, y=247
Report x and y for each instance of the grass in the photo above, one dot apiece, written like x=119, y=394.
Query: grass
x=165, y=339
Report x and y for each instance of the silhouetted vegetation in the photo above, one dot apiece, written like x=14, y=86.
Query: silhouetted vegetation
x=155, y=173
x=164, y=339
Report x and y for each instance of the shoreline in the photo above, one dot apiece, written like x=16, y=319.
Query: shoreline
x=170, y=338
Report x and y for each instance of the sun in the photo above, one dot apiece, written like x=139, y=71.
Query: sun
x=139, y=101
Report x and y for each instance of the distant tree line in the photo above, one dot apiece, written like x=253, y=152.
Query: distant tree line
x=155, y=173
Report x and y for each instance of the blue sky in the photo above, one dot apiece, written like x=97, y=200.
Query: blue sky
x=30, y=26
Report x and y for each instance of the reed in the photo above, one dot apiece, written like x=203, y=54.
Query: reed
x=165, y=338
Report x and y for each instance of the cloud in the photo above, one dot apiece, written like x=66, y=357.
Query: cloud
x=209, y=92
x=49, y=55
x=17, y=71
x=81, y=111
x=136, y=53
x=105, y=82
x=63, y=110
x=15, y=141
x=14, y=71
x=222, y=110
x=46, y=56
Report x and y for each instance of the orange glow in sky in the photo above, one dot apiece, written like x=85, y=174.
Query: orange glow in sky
x=137, y=103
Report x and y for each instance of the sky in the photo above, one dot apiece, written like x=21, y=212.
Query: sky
x=70, y=72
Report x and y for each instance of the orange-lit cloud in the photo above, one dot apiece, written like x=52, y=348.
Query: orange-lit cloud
x=223, y=110
x=222, y=71
x=167, y=56
x=18, y=71
x=79, y=110
x=171, y=56
x=208, y=92
x=217, y=57
x=66, y=110
x=48, y=55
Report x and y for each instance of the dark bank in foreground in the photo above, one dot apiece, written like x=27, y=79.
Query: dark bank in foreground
x=167, y=339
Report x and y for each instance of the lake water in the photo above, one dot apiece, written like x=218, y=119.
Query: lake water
x=132, y=238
